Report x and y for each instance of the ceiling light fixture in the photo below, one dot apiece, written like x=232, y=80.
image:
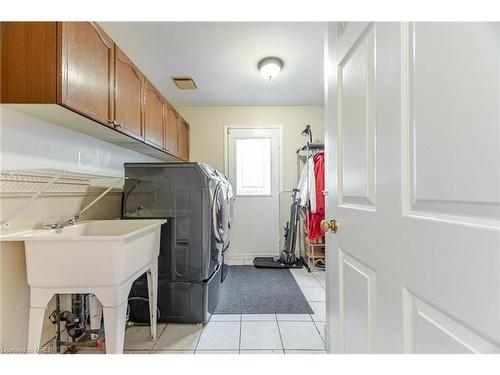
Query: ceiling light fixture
x=270, y=67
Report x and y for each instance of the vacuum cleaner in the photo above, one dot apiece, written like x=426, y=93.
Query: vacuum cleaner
x=287, y=258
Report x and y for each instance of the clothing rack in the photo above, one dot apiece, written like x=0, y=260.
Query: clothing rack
x=311, y=147
x=304, y=153
x=309, y=252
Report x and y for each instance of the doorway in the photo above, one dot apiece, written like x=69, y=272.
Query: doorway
x=252, y=159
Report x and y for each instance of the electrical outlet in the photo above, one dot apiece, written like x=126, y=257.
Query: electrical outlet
x=6, y=225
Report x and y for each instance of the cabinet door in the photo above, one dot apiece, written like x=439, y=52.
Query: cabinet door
x=86, y=67
x=170, y=130
x=183, y=139
x=129, y=86
x=153, y=116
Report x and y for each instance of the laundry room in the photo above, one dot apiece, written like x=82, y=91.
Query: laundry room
x=229, y=183
x=247, y=187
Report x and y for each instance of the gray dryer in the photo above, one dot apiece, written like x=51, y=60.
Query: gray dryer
x=191, y=196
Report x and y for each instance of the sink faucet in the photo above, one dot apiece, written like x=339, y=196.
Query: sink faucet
x=71, y=221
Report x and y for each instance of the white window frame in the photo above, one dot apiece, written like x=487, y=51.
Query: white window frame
x=270, y=176
x=280, y=152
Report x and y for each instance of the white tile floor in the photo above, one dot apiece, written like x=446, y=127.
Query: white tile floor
x=260, y=335
x=244, y=334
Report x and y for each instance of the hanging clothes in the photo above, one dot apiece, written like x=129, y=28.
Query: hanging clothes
x=319, y=173
x=314, y=218
x=307, y=185
x=311, y=186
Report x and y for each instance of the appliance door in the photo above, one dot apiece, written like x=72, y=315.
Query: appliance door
x=220, y=214
x=230, y=204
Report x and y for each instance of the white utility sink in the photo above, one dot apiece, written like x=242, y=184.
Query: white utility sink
x=99, y=252
x=102, y=257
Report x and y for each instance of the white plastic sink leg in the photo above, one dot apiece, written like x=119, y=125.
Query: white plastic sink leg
x=95, y=315
x=39, y=298
x=114, y=326
x=115, y=316
x=113, y=298
x=35, y=327
x=152, y=276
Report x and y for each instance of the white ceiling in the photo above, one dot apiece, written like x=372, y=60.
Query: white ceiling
x=222, y=57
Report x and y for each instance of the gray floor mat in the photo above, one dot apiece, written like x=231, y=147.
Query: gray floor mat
x=249, y=290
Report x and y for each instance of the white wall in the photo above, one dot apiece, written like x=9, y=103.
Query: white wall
x=207, y=137
x=27, y=142
x=207, y=131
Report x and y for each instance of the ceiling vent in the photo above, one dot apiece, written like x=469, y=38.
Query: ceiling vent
x=185, y=83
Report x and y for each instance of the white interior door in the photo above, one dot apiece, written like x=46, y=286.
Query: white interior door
x=413, y=174
x=253, y=169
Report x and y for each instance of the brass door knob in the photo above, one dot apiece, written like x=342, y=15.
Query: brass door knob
x=332, y=225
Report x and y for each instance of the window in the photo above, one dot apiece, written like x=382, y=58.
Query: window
x=253, y=166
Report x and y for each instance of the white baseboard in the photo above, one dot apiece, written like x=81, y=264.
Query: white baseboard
x=246, y=256
x=243, y=258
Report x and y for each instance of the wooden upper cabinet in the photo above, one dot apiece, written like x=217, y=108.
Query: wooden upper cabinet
x=183, y=151
x=86, y=67
x=28, y=62
x=170, y=119
x=77, y=66
x=129, y=90
x=153, y=116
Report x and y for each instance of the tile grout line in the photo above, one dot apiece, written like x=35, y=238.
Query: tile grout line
x=312, y=287
x=241, y=324
x=320, y=335
x=279, y=331
x=158, y=338
x=199, y=337
x=324, y=287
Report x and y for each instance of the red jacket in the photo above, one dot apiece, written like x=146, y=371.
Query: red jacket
x=314, y=219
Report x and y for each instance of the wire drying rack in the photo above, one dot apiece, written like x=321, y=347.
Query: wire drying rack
x=46, y=175
x=33, y=183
